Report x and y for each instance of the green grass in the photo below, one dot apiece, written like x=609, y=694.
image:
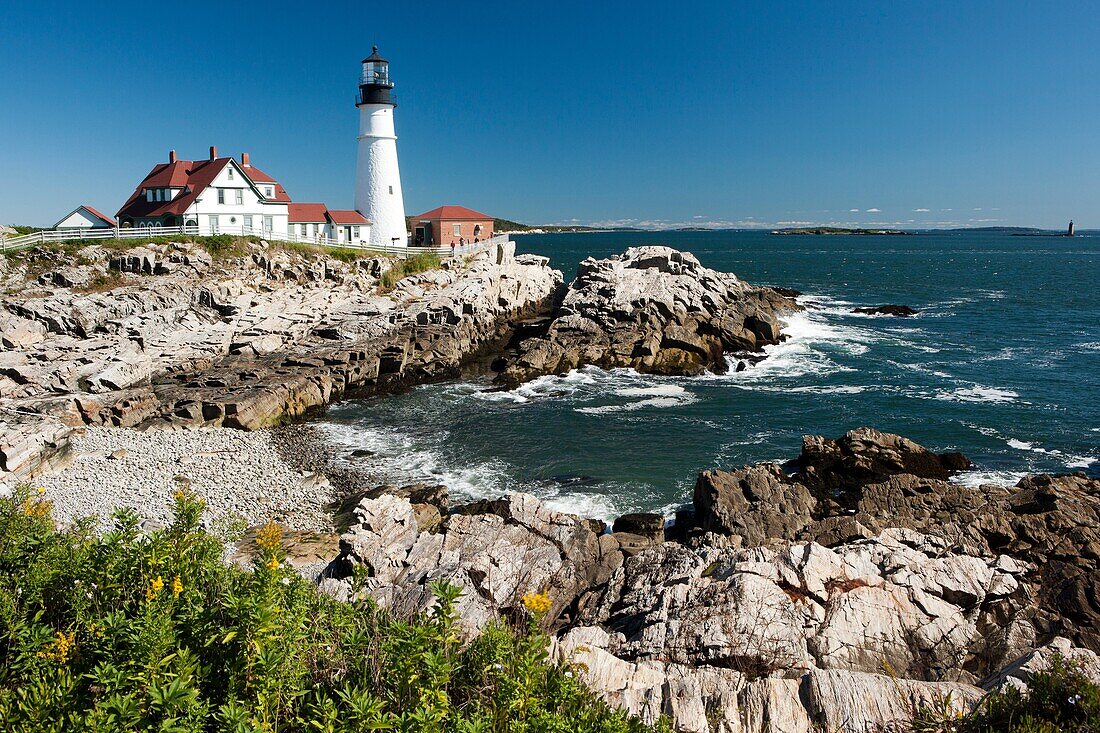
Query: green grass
x=344, y=254
x=403, y=268
x=220, y=247
x=127, y=631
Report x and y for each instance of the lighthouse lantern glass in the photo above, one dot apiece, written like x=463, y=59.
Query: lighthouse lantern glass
x=376, y=72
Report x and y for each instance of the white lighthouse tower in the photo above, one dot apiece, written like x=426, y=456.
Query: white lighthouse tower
x=377, y=178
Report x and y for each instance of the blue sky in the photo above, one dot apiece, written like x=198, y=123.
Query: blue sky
x=659, y=114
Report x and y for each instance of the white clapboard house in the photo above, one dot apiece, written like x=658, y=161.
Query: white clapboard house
x=226, y=196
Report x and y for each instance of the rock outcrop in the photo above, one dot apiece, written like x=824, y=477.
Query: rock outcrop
x=167, y=335
x=901, y=311
x=841, y=591
x=654, y=309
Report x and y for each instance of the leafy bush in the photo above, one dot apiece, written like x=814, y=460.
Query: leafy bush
x=1058, y=699
x=127, y=631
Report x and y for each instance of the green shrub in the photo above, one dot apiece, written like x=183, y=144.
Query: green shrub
x=1058, y=699
x=127, y=631
x=403, y=268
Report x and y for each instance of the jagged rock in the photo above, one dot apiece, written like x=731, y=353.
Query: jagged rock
x=1018, y=673
x=754, y=504
x=865, y=455
x=649, y=526
x=497, y=551
x=707, y=699
x=654, y=309
x=902, y=311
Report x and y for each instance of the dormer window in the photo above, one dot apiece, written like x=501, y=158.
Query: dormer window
x=269, y=192
x=149, y=194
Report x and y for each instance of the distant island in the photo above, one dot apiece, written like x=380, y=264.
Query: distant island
x=837, y=230
x=514, y=227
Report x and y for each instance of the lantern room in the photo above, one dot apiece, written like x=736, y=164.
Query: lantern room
x=375, y=86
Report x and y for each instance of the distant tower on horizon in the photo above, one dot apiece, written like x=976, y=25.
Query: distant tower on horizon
x=377, y=177
x=1069, y=232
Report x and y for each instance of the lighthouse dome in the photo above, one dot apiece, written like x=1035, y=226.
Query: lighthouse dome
x=374, y=56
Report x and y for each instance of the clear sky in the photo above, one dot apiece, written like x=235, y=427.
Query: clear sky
x=729, y=113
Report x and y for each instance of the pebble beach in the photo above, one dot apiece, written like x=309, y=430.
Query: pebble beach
x=242, y=476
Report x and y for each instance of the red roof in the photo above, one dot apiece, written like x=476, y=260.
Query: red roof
x=305, y=213
x=193, y=177
x=345, y=216
x=99, y=214
x=452, y=212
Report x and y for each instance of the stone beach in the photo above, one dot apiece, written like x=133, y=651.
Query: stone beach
x=241, y=476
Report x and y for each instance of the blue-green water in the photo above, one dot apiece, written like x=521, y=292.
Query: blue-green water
x=1002, y=363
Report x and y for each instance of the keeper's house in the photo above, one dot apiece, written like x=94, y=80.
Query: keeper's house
x=224, y=196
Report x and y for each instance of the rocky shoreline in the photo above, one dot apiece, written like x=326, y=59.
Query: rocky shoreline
x=247, y=340
x=839, y=590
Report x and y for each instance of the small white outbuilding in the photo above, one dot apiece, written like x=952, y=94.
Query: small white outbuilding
x=85, y=217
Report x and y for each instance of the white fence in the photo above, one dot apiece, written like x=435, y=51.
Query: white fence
x=67, y=235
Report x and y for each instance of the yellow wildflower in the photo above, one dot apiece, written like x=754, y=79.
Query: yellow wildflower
x=39, y=508
x=41, y=490
x=154, y=588
x=177, y=586
x=273, y=564
x=269, y=537
x=537, y=603
x=60, y=649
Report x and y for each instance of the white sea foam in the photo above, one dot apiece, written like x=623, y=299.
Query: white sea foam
x=1088, y=346
x=977, y=393
x=978, y=478
x=1082, y=461
x=548, y=386
x=662, y=395
x=398, y=459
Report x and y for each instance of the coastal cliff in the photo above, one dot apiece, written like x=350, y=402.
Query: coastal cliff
x=654, y=309
x=165, y=335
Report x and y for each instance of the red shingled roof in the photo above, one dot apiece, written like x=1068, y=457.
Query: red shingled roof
x=99, y=214
x=452, y=212
x=306, y=213
x=193, y=177
x=346, y=216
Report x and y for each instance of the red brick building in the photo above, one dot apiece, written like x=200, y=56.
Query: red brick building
x=445, y=224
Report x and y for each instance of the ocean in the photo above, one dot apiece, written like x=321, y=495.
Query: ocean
x=1002, y=362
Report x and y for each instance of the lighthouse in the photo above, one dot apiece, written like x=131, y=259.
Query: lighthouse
x=377, y=178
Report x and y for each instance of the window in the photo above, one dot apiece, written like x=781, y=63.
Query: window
x=238, y=195
x=232, y=220
x=391, y=189
x=159, y=195
x=213, y=224
x=247, y=222
x=302, y=227
x=230, y=169
x=148, y=194
x=355, y=232
x=269, y=192
x=268, y=223
x=221, y=195
x=457, y=230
